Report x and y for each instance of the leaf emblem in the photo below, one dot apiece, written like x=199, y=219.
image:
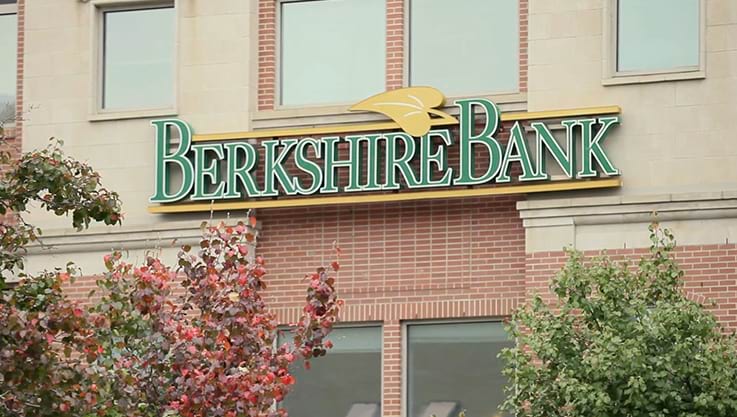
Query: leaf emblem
x=409, y=107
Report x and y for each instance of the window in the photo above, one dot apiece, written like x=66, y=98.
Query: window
x=464, y=47
x=138, y=59
x=657, y=35
x=344, y=383
x=453, y=367
x=8, y=60
x=331, y=51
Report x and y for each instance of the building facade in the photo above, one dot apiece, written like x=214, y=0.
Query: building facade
x=427, y=280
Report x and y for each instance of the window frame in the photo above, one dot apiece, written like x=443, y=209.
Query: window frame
x=405, y=324
x=351, y=325
x=100, y=7
x=271, y=114
x=6, y=9
x=512, y=96
x=611, y=74
x=278, y=66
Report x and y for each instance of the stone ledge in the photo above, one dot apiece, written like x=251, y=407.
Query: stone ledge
x=621, y=221
x=623, y=205
x=288, y=117
x=105, y=239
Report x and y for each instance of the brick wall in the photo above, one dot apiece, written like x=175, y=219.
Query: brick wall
x=266, y=54
x=401, y=261
x=13, y=135
x=710, y=274
x=523, y=19
x=20, y=70
x=441, y=259
x=394, y=44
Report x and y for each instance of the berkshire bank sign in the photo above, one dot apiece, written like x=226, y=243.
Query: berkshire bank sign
x=300, y=167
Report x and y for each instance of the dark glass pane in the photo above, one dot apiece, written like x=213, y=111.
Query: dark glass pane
x=344, y=383
x=454, y=367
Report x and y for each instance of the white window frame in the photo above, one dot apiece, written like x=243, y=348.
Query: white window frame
x=404, y=401
x=499, y=97
x=612, y=76
x=12, y=9
x=97, y=71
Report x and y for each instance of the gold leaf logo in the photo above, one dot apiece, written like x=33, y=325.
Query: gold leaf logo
x=409, y=107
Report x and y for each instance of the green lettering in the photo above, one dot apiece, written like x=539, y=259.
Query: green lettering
x=307, y=166
x=467, y=141
x=274, y=172
x=354, y=166
x=165, y=161
x=372, y=163
x=517, y=151
x=241, y=174
x=438, y=158
x=207, y=171
x=401, y=163
x=591, y=148
x=545, y=140
x=331, y=164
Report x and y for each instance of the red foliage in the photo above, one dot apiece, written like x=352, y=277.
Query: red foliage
x=141, y=351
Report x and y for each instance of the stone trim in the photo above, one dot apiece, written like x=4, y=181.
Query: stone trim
x=69, y=241
x=628, y=209
x=621, y=221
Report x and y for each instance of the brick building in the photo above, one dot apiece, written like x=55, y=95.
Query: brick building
x=427, y=278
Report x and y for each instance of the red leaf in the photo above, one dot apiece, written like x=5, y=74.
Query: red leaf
x=252, y=221
x=335, y=265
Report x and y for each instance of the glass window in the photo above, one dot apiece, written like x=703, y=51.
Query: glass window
x=344, y=383
x=138, y=61
x=8, y=64
x=465, y=47
x=657, y=34
x=332, y=51
x=454, y=367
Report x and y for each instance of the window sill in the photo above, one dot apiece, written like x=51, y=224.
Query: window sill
x=132, y=114
x=9, y=130
x=654, y=78
x=330, y=115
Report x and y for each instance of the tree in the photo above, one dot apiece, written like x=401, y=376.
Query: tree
x=210, y=352
x=40, y=326
x=142, y=350
x=621, y=341
x=59, y=184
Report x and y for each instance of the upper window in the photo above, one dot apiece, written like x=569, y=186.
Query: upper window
x=138, y=59
x=465, y=47
x=344, y=383
x=8, y=60
x=657, y=35
x=453, y=367
x=331, y=51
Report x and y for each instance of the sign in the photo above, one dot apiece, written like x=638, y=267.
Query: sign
x=302, y=166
